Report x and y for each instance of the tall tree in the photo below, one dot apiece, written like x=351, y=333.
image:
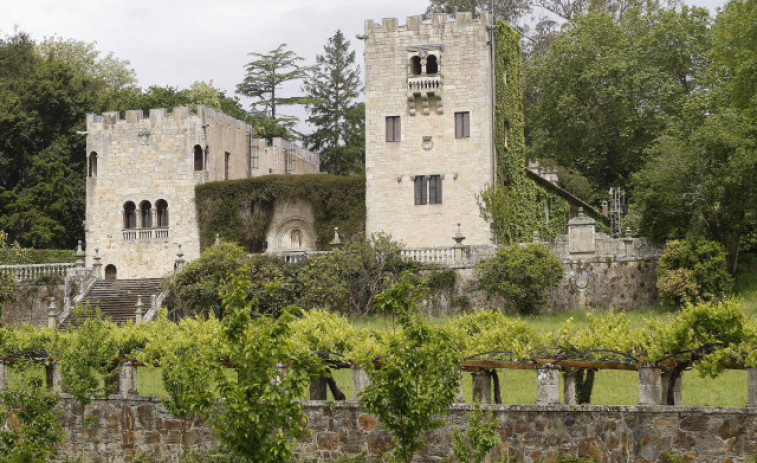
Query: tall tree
x=264, y=78
x=606, y=89
x=332, y=86
x=508, y=10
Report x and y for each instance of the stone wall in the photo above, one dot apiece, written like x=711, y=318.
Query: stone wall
x=31, y=304
x=125, y=427
x=426, y=105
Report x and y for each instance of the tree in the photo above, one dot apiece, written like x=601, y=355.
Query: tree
x=264, y=77
x=332, y=86
x=607, y=88
x=508, y=10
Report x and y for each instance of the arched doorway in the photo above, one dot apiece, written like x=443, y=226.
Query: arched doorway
x=110, y=272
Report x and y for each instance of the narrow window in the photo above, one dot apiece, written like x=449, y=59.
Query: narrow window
x=162, y=209
x=145, y=209
x=93, y=164
x=226, y=165
x=415, y=65
x=432, y=65
x=295, y=239
x=254, y=157
x=421, y=190
x=435, y=189
x=110, y=272
x=393, y=128
x=198, y=158
x=462, y=125
x=130, y=215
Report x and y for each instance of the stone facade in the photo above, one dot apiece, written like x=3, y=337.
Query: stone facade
x=122, y=428
x=428, y=88
x=142, y=176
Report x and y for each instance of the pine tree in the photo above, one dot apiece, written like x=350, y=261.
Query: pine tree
x=332, y=86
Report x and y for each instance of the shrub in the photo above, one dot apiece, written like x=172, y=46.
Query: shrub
x=520, y=275
x=473, y=445
x=693, y=271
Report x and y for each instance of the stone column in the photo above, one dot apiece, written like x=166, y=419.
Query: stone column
x=360, y=381
x=127, y=379
x=52, y=377
x=459, y=397
x=459, y=248
x=650, y=385
x=318, y=388
x=482, y=387
x=547, y=385
x=180, y=263
x=752, y=387
x=3, y=376
x=52, y=315
x=665, y=386
x=569, y=387
x=628, y=241
x=139, y=310
x=80, y=254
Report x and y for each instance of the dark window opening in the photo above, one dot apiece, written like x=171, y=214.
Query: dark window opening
x=421, y=190
x=145, y=209
x=110, y=272
x=428, y=189
x=198, y=158
x=415, y=65
x=162, y=210
x=393, y=128
x=93, y=164
x=435, y=189
x=130, y=215
x=432, y=66
x=226, y=166
x=462, y=125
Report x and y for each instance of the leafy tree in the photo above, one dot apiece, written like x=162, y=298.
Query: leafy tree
x=507, y=10
x=520, y=275
x=263, y=79
x=693, y=271
x=479, y=438
x=332, y=86
x=417, y=379
x=607, y=88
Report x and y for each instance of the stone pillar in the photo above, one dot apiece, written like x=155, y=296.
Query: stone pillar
x=127, y=379
x=139, y=311
x=3, y=376
x=180, y=263
x=581, y=230
x=752, y=387
x=52, y=315
x=482, y=387
x=547, y=385
x=459, y=248
x=360, y=381
x=52, y=377
x=97, y=265
x=318, y=388
x=336, y=242
x=665, y=386
x=569, y=387
x=628, y=241
x=650, y=385
x=79, y=256
x=459, y=396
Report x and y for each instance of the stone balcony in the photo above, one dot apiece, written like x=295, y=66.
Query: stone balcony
x=133, y=234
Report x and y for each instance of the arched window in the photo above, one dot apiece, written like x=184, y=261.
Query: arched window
x=93, y=164
x=162, y=208
x=432, y=65
x=415, y=65
x=145, y=209
x=198, y=157
x=130, y=215
x=110, y=272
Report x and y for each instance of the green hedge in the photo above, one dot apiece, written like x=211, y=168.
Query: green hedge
x=240, y=211
x=17, y=256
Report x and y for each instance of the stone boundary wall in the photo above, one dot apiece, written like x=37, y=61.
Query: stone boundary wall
x=123, y=428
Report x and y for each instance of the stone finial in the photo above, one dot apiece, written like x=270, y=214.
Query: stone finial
x=97, y=265
x=218, y=239
x=628, y=232
x=52, y=315
x=79, y=255
x=139, y=311
x=580, y=211
x=536, y=236
x=180, y=263
x=336, y=241
x=458, y=236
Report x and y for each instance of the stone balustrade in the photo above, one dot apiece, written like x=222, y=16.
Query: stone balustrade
x=30, y=272
x=131, y=234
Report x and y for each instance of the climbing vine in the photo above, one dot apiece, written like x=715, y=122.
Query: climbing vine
x=240, y=211
x=516, y=206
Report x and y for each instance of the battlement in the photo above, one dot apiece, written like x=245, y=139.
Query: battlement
x=416, y=24
x=180, y=116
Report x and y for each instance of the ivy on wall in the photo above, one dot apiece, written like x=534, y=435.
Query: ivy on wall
x=240, y=211
x=516, y=207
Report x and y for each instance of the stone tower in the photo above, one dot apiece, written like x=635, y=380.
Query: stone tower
x=429, y=150
x=142, y=173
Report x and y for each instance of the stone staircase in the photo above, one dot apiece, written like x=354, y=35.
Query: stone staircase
x=117, y=299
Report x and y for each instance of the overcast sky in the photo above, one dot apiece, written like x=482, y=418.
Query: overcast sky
x=178, y=42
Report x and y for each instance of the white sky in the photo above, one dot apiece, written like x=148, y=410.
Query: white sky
x=178, y=42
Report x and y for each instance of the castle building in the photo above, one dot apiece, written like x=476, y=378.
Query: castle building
x=141, y=178
x=429, y=127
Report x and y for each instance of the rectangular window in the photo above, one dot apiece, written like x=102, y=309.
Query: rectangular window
x=462, y=125
x=428, y=189
x=226, y=165
x=393, y=128
x=255, y=158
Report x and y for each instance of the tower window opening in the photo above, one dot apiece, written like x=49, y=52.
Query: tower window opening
x=130, y=215
x=432, y=65
x=162, y=211
x=415, y=65
x=145, y=209
x=93, y=164
x=198, y=158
